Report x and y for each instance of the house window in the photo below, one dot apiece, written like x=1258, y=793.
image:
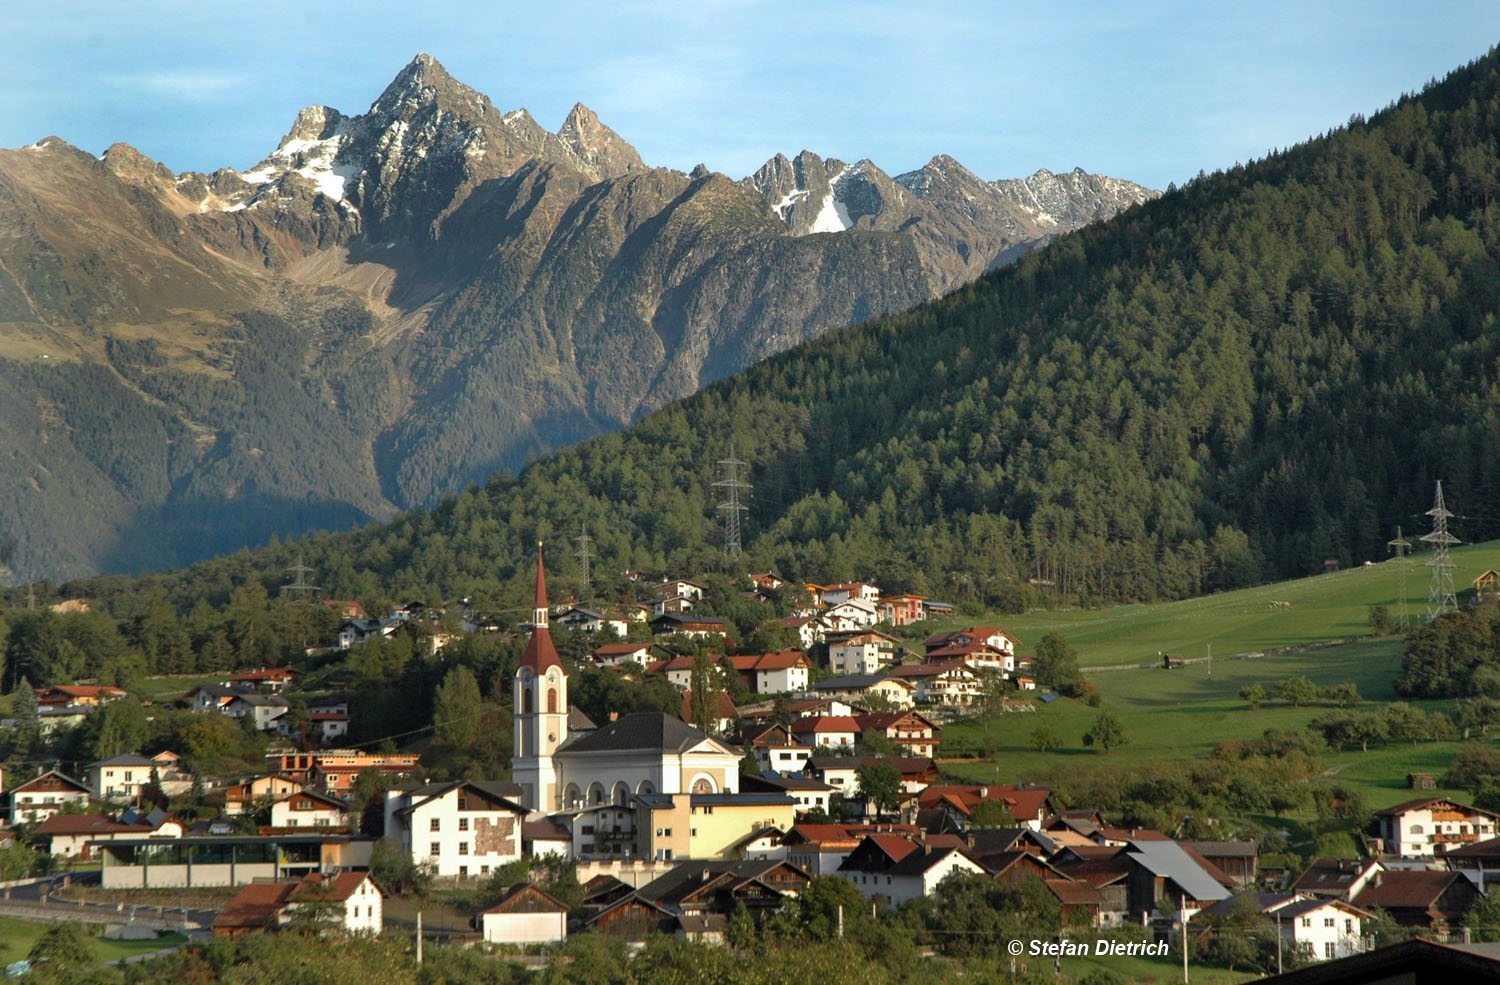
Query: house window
x=463, y=870
x=1328, y=921
x=436, y=848
x=1307, y=921
x=1416, y=829
x=463, y=848
x=435, y=825
x=463, y=824
x=484, y=870
x=1328, y=949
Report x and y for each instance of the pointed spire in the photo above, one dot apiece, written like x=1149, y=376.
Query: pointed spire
x=540, y=653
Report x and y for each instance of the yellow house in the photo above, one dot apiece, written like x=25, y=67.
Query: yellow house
x=705, y=826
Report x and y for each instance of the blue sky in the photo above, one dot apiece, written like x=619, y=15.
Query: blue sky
x=1153, y=92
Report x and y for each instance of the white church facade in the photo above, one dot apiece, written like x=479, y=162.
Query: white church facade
x=641, y=754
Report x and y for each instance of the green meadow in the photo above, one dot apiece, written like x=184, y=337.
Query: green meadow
x=1322, y=607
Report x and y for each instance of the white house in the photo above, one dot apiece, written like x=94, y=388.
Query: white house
x=45, y=795
x=461, y=828
x=625, y=654
x=119, y=777
x=525, y=915
x=262, y=709
x=773, y=673
x=836, y=594
x=593, y=620
x=851, y=615
x=895, y=869
x=861, y=653
x=830, y=731
x=309, y=809
x=1432, y=825
x=1325, y=928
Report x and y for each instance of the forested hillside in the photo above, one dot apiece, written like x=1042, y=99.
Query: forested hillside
x=1257, y=372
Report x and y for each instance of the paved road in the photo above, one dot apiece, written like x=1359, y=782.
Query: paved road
x=44, y=893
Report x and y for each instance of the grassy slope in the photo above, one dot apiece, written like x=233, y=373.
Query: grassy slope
x=1182, y=713
x=1323, y=607
x=17, y=937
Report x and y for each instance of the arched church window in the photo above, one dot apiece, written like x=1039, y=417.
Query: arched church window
x=703, y=785
x=551, y=700
x=525, y=699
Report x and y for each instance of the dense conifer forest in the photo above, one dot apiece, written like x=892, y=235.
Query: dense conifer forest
x=1261, y=370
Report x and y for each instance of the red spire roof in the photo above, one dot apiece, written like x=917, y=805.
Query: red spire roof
x=541, y=580
x=540, y=653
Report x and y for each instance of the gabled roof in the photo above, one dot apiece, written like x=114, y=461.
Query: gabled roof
x=544, y=830
x=523, y=897
x=824, y=723
x=650, y=731
x=1071, y=892
x=1423, y=802
x=498, y=793
x=124, y=759
x=333, y=886
x=848, y=682
x=87, y=824
x=785, y=660
x=254, y=906
x=885, y=719
x=1406, y=889
x=1168, y=860
x=322, y=798
x=53, y=775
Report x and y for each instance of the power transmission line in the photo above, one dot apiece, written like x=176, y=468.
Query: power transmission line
x=1440, y=593
x=582, y=554
x=1400, y=547
x=732, y=507
x=299, y=588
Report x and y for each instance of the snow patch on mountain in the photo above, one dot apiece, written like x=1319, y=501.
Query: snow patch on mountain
x=833, y=217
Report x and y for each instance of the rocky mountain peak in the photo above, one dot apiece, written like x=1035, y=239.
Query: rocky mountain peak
x=131, y=165
x=599, y=148
x=425, y=82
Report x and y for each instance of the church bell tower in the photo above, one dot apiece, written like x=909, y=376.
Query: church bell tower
x=541, y=707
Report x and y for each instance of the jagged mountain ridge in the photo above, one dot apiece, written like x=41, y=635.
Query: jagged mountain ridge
x=393, y=304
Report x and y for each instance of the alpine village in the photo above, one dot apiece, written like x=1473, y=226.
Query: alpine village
x=1117, y=601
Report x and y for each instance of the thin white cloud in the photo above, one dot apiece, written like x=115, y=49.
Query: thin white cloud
x=183, y=84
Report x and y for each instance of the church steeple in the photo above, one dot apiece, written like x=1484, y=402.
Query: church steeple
x=540, y=653
x=540, y=706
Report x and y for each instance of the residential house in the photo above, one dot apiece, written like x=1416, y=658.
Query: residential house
x=461, y=828
x=980, y=657
x=1479, y=861
x=811, y=707
x=1107, y=870
x=913, y=734
x=861, y=688
x=809, y=630
x=1324, y=929
x=996, y=637
x=42, y=796
x=328, y=726
x=119, y=777
x=701, y=895
x=826, y=731
x=773, y=747
x=594, y=620
x=1163, y=871
x=357, y=904
x=901, y=610
x=722, y=718
x=773, y=673
x=263, y=710
x=346, y=609
x=309, y=809
x=244, y=797
x=334, y=770
x=1435, y=901
x=821, y=848
x=694, y=627
x=938, y=610
x=641, y=655
x=72, y=836
x=76, y=696
x=1030, y=806
x=272, y=680
x=833, y=595
x=1431, y=826
x=809, y=794
x=850, y=616
x=951, y=683
x=765, y=581
x=705, y=825
x=678, y=671
x=865, y=652
x=524, y=915
x=839, y=772
x=1236, y=859
x=545, y=837
x=896, y=869
x=213, y=697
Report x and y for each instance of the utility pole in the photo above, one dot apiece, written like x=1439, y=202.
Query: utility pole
x=582, y=554
x=1210, y=661
x=1400, y=547
x=732, y=507
x=1440, y=590
x=419, y=937
x=298, y=586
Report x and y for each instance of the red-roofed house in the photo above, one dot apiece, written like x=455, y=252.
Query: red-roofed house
x=351, y=900
x=914, y=734
x=822, y=848
x=1030, y=806
x=773, y=673
x=68, y=835
x=953, y=683
x=1433, y=825
x=830, y=731
x=77, y=696
x=271, y=679
x=724, y=715
x=1421, y=898
x=897, y=869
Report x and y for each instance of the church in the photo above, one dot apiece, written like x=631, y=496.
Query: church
x=641, y=754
